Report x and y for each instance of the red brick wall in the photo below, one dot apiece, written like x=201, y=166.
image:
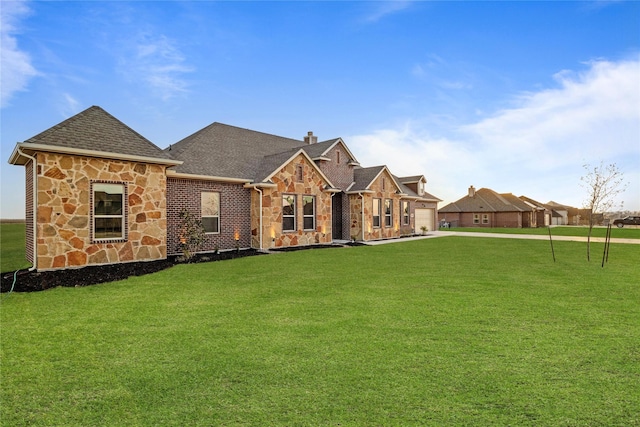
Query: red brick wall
x=235, y=212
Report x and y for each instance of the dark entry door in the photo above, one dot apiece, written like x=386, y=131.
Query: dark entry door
x=336, y=215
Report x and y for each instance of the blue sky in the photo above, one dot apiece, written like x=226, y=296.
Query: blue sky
x=513, y=96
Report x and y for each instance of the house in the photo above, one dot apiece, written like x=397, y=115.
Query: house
x=568, y=215
x=487, y=208
x=543, y=213
x=97, y=192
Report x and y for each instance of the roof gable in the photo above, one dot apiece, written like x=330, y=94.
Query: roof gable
x=95, y=130
x=320, y=150
x=364, y=177
x=274, y=163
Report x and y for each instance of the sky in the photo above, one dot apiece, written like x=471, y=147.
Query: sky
x=512, y=96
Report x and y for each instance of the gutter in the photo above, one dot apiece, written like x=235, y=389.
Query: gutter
x=35, y=206
x=87, y=153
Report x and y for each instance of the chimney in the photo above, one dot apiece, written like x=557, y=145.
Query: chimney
x=472, y=191
x=310, y=138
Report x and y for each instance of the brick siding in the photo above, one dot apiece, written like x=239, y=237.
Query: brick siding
x=235, y=217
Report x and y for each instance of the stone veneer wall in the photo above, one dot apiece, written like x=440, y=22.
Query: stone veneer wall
x=382, y=232
x=312, y=184
x=235, y=205
x=340, y=173
x=64, y=216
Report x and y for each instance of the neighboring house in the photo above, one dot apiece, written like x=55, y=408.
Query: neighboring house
x=568, y=215
x=98, y=192
x=486, y=208
x=542, y=212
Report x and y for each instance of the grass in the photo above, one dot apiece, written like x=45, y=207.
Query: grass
x=12, y=247
x=620, y=233
x=447, y=331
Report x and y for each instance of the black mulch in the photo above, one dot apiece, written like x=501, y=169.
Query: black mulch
x=30, y=281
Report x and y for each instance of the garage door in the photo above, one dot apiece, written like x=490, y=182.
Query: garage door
x=424, y=217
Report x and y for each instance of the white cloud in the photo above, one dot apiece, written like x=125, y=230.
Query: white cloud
x=385, y=8
x=158, y=62
x=536, y=148
x=16, y=64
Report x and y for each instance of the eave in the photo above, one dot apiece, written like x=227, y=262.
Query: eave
x=18, y=159
x=173, y=174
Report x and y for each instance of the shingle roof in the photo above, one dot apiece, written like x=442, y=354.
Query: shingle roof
x=228, y=151
x=96, y=130
x=486, y=200
x=363, y=177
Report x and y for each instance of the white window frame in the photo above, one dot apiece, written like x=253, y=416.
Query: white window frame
x=210, y=212
x=106, y=187
x=287, y=198
x=311, y=216
x=485, y=218
x=388, y=213
x=476, y=218
x=376, y=212
x=406, y=210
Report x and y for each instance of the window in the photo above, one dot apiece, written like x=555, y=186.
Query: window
x=309, y=212
x=388, y=210
x=288, y=213
x=376, y=212
x=476, y=218
x=485, y=218
x=108, y=211
x=210, y=211
x=420, y=187
x=299, y=173
x=338, y=156
x=405, y=213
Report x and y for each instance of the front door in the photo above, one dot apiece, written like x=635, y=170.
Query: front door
x=336, y=215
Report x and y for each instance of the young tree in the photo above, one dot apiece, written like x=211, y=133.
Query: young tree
x=603, y=183
x=192, y=234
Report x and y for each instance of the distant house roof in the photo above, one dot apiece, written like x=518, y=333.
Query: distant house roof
x=93, y=132
x=486, y=200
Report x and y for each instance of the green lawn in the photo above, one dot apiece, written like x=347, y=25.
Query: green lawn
x=12, y=247
x=446, y=331
x=621, y=233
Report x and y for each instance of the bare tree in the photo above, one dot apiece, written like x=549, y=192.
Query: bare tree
x=603, y=183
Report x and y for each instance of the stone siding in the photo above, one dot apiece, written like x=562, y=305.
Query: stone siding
x=235, y=205
x=312, y=184
x=64, y=217
x=382, y=191
x=340, y=173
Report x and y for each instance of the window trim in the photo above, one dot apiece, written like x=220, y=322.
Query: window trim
x=124, y=217
x=312, y=216
x=202, y=216
x=388, y=217
x=293, y=197
x=406, y=212
x=476, y=218
x=485, y=218
x=376, y=214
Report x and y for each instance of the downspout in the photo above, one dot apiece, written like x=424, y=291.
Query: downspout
x=332, y=219
x=362, y=214
x=260, y=216
x=35, y=207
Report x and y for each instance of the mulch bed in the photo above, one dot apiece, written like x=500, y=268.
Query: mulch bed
x=30, y=281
